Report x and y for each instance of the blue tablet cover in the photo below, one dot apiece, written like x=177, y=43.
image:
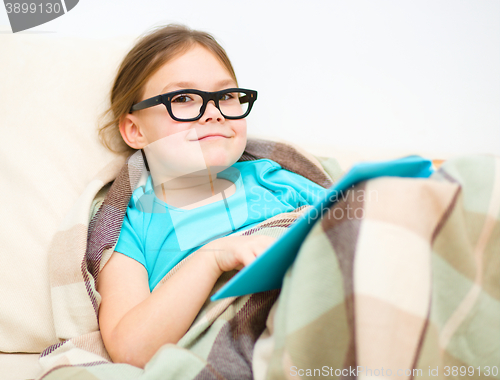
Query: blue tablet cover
x=268, y=270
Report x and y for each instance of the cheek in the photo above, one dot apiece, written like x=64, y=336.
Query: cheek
x=240, y=128
x=159, y=126
x=172, y=156
x=241, y=133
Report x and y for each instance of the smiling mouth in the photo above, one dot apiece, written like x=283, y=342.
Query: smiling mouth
x=212, y=137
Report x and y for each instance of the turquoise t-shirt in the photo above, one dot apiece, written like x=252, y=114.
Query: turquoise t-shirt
x=159, y=236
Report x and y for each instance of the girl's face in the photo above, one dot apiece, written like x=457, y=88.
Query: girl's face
x=220, y=141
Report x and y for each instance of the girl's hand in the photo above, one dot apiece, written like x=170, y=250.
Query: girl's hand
x=235, y=252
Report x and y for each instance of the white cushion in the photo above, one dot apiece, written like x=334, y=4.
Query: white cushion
x=52, y=91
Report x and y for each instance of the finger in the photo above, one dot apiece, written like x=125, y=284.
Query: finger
x=247, y=256
x=267, y=239
x=263, y=244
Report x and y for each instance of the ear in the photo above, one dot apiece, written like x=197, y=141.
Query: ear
x=131, y=133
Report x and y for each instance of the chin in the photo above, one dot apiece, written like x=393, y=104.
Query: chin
x=221, y=158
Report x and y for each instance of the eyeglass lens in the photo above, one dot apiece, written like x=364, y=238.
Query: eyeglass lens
x=188, y=105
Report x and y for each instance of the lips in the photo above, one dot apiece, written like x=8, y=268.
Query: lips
x=211, y=137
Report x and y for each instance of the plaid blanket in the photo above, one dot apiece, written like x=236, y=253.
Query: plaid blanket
x=399, y=279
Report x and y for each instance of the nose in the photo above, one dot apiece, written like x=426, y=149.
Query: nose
x=212, y=113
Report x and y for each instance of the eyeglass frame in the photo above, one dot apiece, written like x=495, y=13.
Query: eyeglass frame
x=166, y=99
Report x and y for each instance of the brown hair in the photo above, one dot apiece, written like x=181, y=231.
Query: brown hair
x=149, y=54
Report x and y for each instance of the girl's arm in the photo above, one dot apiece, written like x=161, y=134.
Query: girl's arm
x=135, y=323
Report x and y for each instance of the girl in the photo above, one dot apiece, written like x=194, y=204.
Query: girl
x=176, y=97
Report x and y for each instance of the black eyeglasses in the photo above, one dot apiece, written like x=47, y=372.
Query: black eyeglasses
x=190, y=105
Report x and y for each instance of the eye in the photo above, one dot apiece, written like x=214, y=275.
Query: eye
x=228, y=96
x=182, y=98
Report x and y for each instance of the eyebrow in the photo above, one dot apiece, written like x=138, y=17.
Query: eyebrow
x=182, y=85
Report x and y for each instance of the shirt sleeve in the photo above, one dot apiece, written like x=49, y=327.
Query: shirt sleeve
x=291, y=187
x=129, y=242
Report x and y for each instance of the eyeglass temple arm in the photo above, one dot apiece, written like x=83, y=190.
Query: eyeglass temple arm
x=246, y=98
x=146, y=103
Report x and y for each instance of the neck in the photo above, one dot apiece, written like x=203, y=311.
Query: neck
x=186, y=189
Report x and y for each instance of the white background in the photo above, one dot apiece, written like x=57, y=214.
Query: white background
x=418, y=75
